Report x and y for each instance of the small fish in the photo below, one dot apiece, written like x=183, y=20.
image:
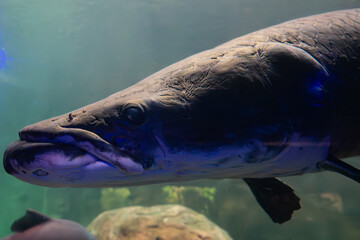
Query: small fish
x=36, y=226
x=278, y=102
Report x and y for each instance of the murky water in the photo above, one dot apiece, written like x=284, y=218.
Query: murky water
x=58, y=55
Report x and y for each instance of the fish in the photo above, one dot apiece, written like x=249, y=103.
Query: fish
x=281, y=101
x=36, y=226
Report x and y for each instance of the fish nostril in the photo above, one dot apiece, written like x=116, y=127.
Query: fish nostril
x=40, y=173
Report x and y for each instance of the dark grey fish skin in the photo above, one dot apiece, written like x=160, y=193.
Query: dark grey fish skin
x=36, y=226
x=278, y=102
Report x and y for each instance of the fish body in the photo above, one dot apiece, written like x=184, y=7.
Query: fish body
x=278, y=102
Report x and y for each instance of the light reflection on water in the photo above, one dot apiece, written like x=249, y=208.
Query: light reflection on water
x=3, y=58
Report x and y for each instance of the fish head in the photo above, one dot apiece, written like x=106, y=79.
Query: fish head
x=134, y=137
x=106, y=143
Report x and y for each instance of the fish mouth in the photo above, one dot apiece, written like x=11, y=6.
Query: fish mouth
x=19, y=155
x=70, y=142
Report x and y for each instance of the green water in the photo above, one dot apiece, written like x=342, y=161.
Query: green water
x=63, y=54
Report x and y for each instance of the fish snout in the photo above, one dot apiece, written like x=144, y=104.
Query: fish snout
x=40, y=132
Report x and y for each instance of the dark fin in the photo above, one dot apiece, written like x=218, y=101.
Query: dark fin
x=334, y=164
x=275, y=197
x=31, y=218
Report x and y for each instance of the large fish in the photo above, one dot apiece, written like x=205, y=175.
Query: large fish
x=278, y=102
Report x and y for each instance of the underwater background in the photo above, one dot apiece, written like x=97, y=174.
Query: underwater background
x=59, y=55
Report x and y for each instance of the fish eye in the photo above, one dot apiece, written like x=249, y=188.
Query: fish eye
x=134, y=115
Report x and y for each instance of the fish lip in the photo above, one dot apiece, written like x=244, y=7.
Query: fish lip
x=86, y=140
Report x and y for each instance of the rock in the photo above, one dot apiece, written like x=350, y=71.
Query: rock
x=162, y=222
x=333, y=200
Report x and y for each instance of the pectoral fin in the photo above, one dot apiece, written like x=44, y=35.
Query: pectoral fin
x=275, y=197
x=334, y=164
